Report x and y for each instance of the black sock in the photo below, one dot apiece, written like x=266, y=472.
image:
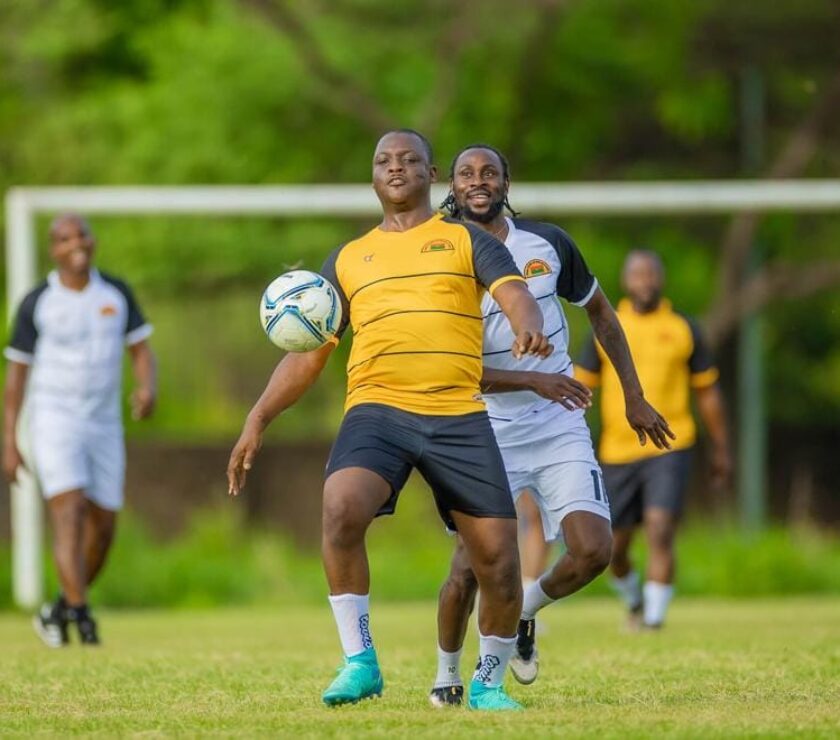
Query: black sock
x=77, y=613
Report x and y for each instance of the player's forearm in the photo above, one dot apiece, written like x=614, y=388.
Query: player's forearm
x=609, y=333
x=292, y=377
x=505, y=381
x=144, y=366
x=520, y=307
x=13, y=399
x=713, y=414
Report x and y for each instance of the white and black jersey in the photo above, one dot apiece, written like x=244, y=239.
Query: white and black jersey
x=553, y=268
x=74, y=341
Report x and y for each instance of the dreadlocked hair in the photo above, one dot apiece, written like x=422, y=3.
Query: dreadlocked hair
x=450, y=206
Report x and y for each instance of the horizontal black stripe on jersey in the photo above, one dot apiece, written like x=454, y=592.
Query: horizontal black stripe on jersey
x=405, y=277
x=548, y=295
x=414, y=352
x=438, y=389
x=502, y=351
x=420, y=310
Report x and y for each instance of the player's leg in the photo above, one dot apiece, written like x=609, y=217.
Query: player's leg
x=105, y=453
x=534, y=551
x=60, y=463
x=368, y=466
x=664, y=491
x=660, y=527
x=572, y=499
x=588, y=539
x=99, y=528
x=493, y=553
x=67, y=514
x=455, y=605
x=352, y=497
x=624, y=489
x=461, y=462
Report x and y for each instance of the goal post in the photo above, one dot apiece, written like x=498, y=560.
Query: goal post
x=24, y=204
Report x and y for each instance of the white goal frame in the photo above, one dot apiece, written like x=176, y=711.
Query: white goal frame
x=24, y=204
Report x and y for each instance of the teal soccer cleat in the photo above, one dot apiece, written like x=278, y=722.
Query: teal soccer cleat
x=359, y=678
x=487, y=699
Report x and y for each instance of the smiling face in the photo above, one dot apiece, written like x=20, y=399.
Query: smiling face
x=479, y=185
x=72, y=245
x=402, y=172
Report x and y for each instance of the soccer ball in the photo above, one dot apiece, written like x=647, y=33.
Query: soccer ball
x=300, y=311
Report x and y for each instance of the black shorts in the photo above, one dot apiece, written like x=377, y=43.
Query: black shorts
x=656, y=482
x=456, y=455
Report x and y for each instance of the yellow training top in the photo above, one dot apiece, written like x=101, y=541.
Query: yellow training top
x=670, y=357
x=413, y=299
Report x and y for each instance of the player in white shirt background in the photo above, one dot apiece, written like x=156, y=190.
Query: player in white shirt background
x=66, y=352
x=537, y=411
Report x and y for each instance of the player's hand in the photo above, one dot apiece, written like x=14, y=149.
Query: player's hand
x=142, y=403
x=531, y=343
x=242, y=457
x=12, y=460
x=721, y=467
x=568, y=392
x=647, y=422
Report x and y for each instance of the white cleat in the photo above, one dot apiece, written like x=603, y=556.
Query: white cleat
x=47, y=628
x=525, y=671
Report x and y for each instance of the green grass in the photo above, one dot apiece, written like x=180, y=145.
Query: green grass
x=756, y=668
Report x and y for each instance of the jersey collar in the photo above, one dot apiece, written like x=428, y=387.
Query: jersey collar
x=55, y=282
x=625, y=306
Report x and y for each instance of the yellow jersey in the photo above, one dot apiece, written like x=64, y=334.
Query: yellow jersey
x=413, y=299
x=670, y=358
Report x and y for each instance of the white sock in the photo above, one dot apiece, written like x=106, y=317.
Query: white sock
x=449, y=668
x=629, y=587
x=657, y=598
x=533, y=600
x=353, y=621
x=493, y=656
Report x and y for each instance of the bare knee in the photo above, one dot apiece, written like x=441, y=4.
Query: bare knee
x=500, y=572
x=342, y=527
x=462, y=584
x=593, y=557
x=660, y=534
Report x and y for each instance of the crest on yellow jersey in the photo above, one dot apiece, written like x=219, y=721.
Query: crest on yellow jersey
x=438, y=245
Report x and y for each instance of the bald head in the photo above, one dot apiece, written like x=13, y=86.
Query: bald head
x=643, y=277
x=73, y=221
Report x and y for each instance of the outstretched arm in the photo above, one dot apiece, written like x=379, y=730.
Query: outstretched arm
x=16, y=374
x=645, y=420
x=289, y=381
x=525, y=317
x=712, y=411
x=568, y=392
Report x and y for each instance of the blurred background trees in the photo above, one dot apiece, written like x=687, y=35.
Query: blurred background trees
x=267, y=91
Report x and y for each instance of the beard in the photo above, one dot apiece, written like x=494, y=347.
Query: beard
x=493, y=210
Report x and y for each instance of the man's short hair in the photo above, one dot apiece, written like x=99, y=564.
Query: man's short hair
x=427, y=145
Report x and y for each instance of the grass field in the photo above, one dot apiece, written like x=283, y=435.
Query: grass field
x=721, y=669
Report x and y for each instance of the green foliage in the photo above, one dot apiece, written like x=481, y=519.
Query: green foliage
x=235, y=91
x=220, y=561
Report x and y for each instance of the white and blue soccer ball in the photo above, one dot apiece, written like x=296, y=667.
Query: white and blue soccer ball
x=300, y=311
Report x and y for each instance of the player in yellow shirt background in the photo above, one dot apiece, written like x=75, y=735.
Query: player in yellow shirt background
x=646, y=485
x=411, y=289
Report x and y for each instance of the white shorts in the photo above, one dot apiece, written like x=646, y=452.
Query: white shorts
x=563, y=476
x=71, y=454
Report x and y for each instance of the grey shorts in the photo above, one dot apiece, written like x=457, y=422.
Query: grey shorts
x=656, y=482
